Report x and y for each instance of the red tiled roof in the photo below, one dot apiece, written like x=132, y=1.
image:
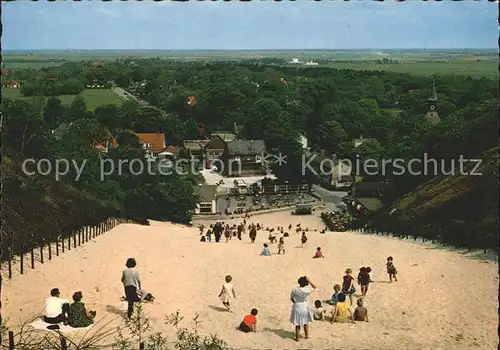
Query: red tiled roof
x=171, y=149
x=157, y=140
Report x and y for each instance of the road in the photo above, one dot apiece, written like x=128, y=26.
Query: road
x=333, y=199
x=127, y=96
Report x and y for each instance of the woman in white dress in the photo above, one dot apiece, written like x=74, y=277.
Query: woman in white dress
x=301, y=312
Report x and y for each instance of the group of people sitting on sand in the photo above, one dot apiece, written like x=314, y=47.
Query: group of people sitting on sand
x=58, y=310
x=302, y=314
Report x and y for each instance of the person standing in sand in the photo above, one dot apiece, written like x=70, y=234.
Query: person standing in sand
x=132, y=285
x=301, y=312
x=227, y=292
x=253, y=234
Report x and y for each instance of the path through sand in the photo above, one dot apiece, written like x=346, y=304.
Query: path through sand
x=442, y=299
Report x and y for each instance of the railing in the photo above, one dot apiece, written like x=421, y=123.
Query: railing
x=274, y=189
x=66, y=243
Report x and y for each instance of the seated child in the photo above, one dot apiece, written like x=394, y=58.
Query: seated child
x=319, y=312
x=249, y=323
x=342, y=311
x=360, y=313
x=318, y=253
x=203, y=239
x=266, y=251
x=335, y=295
x=272, y=239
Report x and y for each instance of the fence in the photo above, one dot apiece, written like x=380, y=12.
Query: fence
x=273, y=189
x=47, y=251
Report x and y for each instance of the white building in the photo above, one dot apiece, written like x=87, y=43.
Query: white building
x=295, y=61
x=311, y=63
x=208, y=200
x=304, y=142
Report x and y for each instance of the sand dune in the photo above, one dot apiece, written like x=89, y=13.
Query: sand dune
x=442, y=299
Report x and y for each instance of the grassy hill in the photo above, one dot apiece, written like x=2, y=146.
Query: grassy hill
x=459, y=209
x=37, y=208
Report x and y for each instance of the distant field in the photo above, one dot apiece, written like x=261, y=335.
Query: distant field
x=487, y=69
x=93, y=97
x=418, y=62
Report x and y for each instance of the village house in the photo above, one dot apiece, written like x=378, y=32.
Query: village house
x=13, y=84
x=341, y=175
x=152, y=143
x=103, y=146
x=207, y=199
x=244, y=157
x=360, y=141
x=214, y=150
x=194, y=148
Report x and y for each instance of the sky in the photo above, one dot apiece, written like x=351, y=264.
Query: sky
x=265, y=25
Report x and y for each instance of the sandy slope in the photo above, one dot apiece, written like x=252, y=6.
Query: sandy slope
x=442, y=300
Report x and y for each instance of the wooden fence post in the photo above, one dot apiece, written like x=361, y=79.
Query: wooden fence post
x=79, y=237
x=69, y=242
x=22, y=264
x=32, y=259
x=86, y=234
x=41, y=254
x=64, y=344
x=50, y=251
x=11, y=340
x=74, y=239
x=62, y=244
x=10, y=268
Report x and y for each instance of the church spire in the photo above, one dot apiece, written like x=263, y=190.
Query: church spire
x=434, y=95
x=432, y=116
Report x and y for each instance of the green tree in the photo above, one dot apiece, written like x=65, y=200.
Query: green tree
x=53, y=113
x=77, y=109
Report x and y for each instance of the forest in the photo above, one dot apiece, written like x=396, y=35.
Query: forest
x=330, y=107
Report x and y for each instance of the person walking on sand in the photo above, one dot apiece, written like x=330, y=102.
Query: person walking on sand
x=303, y=240
x=227, y=292
x=301, y=312
x=391, y=269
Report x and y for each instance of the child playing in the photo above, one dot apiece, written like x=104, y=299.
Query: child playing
x=318, y=254
x=249, y=323
x=226, y=292
x=360, y=313
x=319, y=312
x=303, y=239
x=391, y=269
x=348, y=284
x=281, y=246
x=363, y=280
x=266, y=251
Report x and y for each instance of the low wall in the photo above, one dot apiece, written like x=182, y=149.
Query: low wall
x=316, y=205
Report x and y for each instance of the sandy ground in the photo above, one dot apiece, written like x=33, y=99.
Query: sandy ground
x=443, y=300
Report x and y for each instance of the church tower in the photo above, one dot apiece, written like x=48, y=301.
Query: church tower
x=432, y=116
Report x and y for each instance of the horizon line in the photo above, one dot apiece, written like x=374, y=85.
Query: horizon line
x=277, y=49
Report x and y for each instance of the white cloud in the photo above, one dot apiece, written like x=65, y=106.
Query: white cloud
x=108, y=12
